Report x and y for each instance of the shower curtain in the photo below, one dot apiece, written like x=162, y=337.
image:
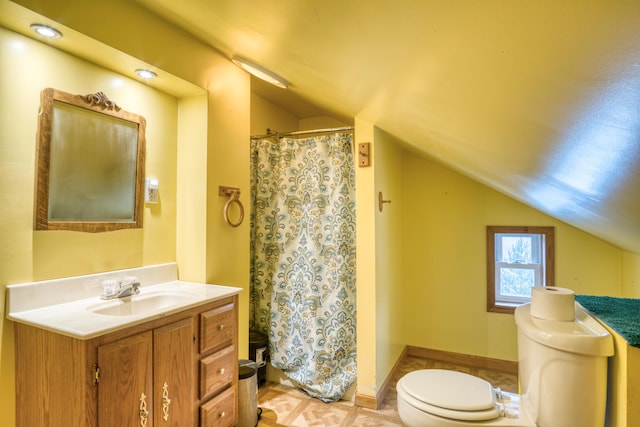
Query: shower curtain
x=303, y=263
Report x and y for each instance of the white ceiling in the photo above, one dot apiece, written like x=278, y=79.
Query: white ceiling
x=539, y=99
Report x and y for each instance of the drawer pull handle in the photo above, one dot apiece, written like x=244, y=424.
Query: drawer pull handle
x=221, y=327
x=221, y=371
x=222, y=414
x=165, y=402
x=144, y=413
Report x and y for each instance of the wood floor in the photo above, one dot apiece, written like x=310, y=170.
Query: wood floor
x=284, y=406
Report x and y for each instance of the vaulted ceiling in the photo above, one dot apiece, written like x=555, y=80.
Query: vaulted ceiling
x=539, y=99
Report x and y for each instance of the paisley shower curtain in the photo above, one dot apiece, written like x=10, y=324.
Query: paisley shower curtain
x=303, y=290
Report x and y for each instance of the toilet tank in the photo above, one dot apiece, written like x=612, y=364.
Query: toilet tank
x=562, y=368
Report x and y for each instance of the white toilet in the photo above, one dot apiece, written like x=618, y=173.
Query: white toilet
x=562, y=373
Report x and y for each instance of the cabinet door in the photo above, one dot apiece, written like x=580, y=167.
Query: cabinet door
x=173, y=375
x=125, y=387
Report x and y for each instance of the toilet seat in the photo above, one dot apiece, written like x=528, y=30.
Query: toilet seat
x=450, y=394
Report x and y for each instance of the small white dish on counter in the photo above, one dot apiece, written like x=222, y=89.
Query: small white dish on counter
x=72, y=306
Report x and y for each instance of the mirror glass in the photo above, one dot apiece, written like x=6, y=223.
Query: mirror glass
x=90, y=164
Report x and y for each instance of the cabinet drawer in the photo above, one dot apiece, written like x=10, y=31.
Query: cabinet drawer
x=216, y=371
x=220, y=411
x=217, y=327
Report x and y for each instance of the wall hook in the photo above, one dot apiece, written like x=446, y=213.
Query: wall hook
x=234, y=197
x=381, y=201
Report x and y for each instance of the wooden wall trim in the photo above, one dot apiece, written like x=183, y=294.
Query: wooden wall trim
x=464, y=359
x=366, y=401
x=374, y=402
x=371, y=402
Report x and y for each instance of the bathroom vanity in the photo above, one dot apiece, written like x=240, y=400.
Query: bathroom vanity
x=165, y=357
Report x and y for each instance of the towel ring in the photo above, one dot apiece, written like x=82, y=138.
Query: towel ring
x=234, y=197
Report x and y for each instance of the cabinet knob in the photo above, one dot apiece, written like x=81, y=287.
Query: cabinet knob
x=221, y=327
x=221, y=371
x=222, y=414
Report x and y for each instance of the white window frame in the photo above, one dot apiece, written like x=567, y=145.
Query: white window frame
x=517, y=299
x=541, y=264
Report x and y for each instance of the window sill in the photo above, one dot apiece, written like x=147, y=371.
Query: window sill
x=504, y=307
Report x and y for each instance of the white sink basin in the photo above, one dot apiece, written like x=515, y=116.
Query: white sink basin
x=141, y=304
x=72, y=306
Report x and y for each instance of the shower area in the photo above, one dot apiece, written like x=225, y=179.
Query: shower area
x=303, y=256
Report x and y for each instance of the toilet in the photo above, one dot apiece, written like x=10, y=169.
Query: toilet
x=562, y=372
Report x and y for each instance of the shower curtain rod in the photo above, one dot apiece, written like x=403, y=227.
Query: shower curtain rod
x=271, y=133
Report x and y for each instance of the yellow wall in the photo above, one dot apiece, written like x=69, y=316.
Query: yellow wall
x=630, y=275
x=183, y=60
x=27, y=255
x=227, y=248
x=212, y=131
x=390, y=300
x=365, y=266
x=203, y=143
x=618, y=382
x=623, y=395
x=265, y=115
x=320, y=122
x=445, y=268
x=191, y=244
x=29, y=67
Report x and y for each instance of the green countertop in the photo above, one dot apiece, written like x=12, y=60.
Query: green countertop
x=620, y=314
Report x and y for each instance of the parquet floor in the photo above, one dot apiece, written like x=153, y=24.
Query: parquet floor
x=284, y=406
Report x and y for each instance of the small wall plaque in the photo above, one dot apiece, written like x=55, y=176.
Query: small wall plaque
x=363, y=154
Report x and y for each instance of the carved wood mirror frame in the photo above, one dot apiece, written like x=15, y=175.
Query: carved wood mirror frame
x=89, y=164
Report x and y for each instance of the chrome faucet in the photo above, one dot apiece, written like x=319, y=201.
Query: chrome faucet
x=127, y=287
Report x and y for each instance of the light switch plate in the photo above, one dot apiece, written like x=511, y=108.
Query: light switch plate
x=151, y=190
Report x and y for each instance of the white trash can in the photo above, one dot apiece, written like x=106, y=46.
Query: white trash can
x=247, y=393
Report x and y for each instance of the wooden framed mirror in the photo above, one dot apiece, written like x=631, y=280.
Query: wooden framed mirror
x=89, y=164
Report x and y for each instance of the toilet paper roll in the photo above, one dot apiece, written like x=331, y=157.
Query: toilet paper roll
x=552, y=303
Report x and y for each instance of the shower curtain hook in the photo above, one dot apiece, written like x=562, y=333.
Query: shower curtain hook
x=234, y=197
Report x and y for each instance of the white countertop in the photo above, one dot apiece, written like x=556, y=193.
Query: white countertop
x=67, y=306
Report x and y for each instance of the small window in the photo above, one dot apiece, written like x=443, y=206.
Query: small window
x=518, y=258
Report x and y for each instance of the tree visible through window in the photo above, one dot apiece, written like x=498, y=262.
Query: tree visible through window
x=518, y=258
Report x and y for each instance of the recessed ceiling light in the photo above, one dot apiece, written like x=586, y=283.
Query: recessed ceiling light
x=260, y=72
x=46, y=31
x=146, y=74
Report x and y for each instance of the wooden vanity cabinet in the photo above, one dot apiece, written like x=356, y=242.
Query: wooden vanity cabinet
x=125, y=371
x=152, y=375
x=177, y=371
x=218, y=365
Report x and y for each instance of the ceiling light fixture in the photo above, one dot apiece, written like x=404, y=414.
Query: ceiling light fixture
x=46, y=31
x=260, y=72
x=146, y=74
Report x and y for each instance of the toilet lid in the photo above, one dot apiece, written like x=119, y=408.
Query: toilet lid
x=451, y=394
